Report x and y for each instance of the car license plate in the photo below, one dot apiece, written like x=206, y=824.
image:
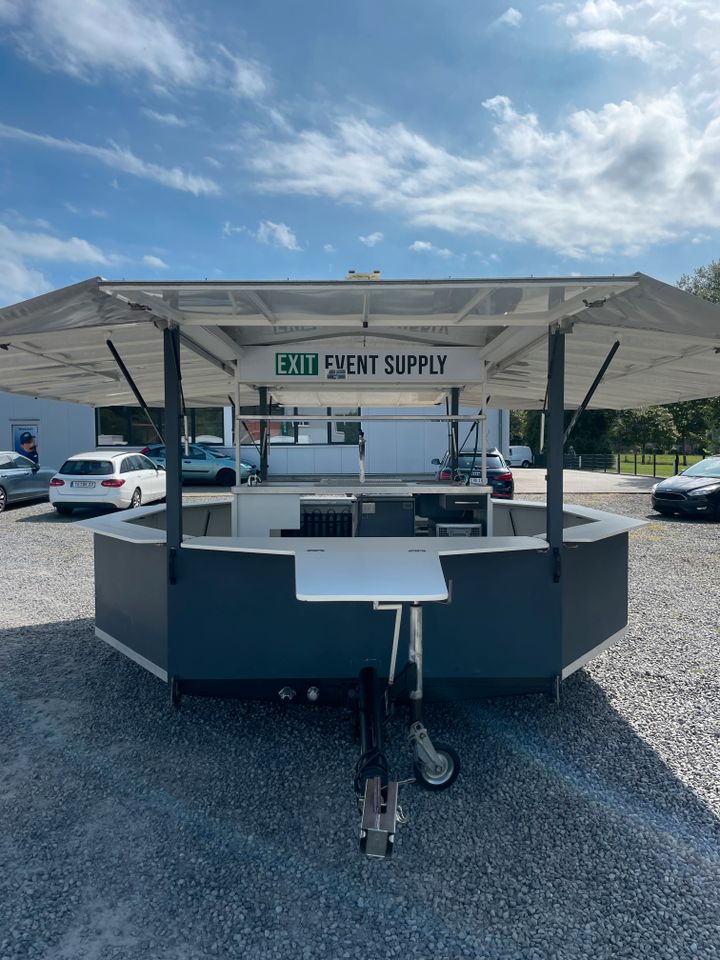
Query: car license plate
x=477, y=480
x=82, y=483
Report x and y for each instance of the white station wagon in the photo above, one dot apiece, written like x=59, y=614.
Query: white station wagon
x=102, y=479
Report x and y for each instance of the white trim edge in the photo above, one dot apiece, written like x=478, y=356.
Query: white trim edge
x=591, y=654
x=131, y=654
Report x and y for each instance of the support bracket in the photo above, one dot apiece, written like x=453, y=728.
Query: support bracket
x=557, y=564
x=397, y=607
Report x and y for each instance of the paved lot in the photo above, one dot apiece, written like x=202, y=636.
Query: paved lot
x=582, y=481
x=227, y=829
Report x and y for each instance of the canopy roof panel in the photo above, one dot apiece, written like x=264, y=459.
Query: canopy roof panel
x=55, y=345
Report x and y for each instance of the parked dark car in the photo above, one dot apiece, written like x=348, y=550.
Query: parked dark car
x=469, y=470
x=21, y=479
x=695, y=491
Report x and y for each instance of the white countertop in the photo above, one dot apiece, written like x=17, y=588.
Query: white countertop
x=389, y=572
x=357, y=489
x=598, y=525
x=339, y=546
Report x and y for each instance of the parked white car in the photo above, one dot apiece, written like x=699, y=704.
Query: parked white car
x=519, y=457
x=101, y=479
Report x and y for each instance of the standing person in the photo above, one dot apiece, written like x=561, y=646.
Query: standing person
x=27, y=445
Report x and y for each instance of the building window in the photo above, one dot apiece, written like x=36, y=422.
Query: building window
x=343, y=432
x=300, y=432
x=208, y=425
x=129, y=426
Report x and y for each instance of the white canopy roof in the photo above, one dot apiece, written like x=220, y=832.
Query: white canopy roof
x=55, y=345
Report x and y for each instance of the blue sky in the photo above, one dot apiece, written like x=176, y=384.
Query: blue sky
x=425, y=138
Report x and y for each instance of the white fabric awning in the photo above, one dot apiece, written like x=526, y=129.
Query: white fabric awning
x=54, y=346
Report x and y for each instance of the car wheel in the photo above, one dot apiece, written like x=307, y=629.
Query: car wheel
x=136, y=499
x=525, y=463
x=226, y=478
x=63, y=509
x=3, y=499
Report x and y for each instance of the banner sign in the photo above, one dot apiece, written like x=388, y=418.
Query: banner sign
x=25, y=439
x=416, y=364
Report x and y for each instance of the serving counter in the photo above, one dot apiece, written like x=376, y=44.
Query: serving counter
x=247, y=621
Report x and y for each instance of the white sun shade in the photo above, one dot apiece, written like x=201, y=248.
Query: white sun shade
x=55, y=345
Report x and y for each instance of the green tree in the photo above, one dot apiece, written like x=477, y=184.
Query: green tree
x=693, y=420
x=648, y=426
x=704, y=282
x=591, y=433
x=518, y=427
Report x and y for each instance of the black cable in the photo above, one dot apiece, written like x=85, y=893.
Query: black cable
x=374, y=760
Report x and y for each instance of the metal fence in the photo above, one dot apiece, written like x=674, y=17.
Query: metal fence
x=634, y=464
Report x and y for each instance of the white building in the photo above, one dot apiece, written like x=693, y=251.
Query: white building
x=60, y=429
x=393, y=447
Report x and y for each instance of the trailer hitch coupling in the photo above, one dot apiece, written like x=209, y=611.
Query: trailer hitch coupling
x=377, y=794
x=379, y=818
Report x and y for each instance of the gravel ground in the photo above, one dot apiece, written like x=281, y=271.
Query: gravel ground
x=227, y=829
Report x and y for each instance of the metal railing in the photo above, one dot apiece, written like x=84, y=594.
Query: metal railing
x=632, y=464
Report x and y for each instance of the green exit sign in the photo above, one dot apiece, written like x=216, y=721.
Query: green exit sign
x=296, y=364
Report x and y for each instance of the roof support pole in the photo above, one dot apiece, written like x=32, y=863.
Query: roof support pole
x=483, y=435
x=133, y=386
x=593, y=387
x=454, y=428
x=173, y=437
x=263, y=398
x=554, y=442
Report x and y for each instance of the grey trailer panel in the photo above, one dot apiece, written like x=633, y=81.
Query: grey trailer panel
x=130, y=597
x=479, y=633
x=240, y=618
x=595, y=596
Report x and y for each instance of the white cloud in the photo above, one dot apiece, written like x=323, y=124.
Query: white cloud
x=616, y=179
x=277, y=235
x=119, y=158
x=167, y=119
x=44, y=246
x=89, y=38
x=511, y=18
x=20, y=279
x=246, y=77
x=634, y=45
x=155, y=262
x=230, y=229
x=596, y=13
x=329, y=248
x=372, y=239
x=18, y=282
x=424, y=246
x=213, y=162
x=10, y=11
x=20, y=220
x=666, y=35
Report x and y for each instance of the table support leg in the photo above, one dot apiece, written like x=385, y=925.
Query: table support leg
x=415, y=656
x=436, y=765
